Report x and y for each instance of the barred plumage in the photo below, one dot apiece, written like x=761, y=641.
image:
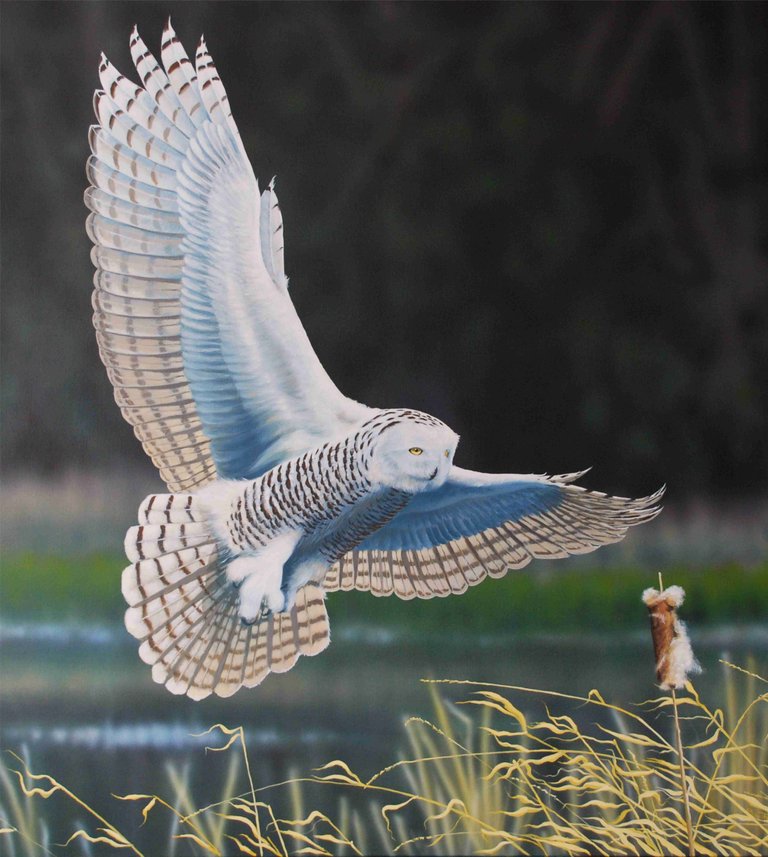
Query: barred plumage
x=282, y=488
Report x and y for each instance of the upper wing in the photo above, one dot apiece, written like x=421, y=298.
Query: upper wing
x=208, y=358
x=479, y=524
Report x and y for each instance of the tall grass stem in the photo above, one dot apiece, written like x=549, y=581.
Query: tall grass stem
x=681, y=760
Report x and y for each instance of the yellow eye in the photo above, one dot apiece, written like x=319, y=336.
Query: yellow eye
x=415, y=450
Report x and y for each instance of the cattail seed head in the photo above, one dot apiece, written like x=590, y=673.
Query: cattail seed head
x=671, y=646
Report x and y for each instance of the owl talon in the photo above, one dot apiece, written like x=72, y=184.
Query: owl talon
x=264, y=612
x=260, y=597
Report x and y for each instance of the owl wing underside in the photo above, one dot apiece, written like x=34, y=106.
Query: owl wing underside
x=208, y=359
x=479, y=525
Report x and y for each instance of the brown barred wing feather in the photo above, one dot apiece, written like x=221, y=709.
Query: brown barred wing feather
x=479, y=525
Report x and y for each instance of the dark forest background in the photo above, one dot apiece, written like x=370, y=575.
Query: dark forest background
x=543, y=222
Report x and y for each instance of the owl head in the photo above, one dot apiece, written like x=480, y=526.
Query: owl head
x=413, y=453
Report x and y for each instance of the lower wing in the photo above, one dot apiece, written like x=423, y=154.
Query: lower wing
x=480, y=524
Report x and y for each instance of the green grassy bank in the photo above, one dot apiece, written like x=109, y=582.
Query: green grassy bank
x=542, y=598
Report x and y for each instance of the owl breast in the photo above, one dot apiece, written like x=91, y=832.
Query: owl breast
x=325, y=494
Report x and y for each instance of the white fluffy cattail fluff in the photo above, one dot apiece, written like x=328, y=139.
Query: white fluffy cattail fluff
x=671, y=646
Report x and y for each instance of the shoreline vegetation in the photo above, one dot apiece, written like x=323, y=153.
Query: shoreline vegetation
x=500, y=770
x=566, y=599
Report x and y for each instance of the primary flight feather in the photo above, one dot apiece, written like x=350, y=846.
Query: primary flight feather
x=282, y=487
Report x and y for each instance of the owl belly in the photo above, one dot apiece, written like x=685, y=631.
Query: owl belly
x=289, y=525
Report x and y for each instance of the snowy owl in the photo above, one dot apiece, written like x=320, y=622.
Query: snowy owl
x=282, y=488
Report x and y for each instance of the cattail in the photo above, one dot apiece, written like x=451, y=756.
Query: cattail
x=671, y=646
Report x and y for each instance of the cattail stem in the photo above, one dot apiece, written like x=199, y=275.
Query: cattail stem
x=686, y=803
x=680, y=758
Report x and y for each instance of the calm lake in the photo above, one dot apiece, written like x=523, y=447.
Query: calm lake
x=78, y=703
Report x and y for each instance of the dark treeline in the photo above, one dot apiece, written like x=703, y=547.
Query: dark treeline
x=543, y=222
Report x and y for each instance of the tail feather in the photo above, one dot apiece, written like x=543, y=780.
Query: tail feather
x=171, y=509
x=233, y=668
x=257, y=657
x=284, y=650
x=147, y=541
x=184, y=611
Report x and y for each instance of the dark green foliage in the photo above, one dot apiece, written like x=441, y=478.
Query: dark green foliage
x=541, y=222
x=55, y=587
x=582, y=600
x=41, y=586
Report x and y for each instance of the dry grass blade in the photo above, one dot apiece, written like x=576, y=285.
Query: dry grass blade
x=110, y=835
x=580, y=776
x=22, y=825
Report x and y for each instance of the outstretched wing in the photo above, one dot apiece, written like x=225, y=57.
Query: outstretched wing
x=201, y=341
x=481, y=524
